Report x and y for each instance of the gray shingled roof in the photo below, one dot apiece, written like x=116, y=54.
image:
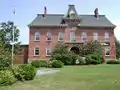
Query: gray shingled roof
x=86, y=21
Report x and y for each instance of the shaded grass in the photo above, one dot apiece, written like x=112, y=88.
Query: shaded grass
x=100, y=77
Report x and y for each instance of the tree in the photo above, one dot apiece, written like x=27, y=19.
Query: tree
x=117, y=43
x=6, y=35
x=90, y=48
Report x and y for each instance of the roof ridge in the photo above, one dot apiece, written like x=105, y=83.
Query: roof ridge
x=63, y=14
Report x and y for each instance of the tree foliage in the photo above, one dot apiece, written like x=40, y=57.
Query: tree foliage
x=117, y=43
x=6, y=35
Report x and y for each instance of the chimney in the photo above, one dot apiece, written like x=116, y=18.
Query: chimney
x=96, y=13
x=45, y=11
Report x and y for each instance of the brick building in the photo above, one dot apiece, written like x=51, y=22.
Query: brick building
x=46, y=30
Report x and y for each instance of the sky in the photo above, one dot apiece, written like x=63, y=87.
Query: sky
x=27, y=10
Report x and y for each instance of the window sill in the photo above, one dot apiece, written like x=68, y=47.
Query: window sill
x=36, y=40
x=48, y=55
x=107, y=55
x=36, y=55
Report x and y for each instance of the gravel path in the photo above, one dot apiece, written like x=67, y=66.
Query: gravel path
x=46, y=71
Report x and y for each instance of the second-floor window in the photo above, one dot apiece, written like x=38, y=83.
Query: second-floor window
x=95, y=36
x=49, y=36
x=72, y=36
x=37, y=36
x=107, y=37
x=84, y=36
x=60, y=36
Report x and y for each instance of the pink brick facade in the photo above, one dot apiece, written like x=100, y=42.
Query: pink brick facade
x=43, y=43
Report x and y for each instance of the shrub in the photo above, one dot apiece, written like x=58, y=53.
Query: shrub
x=57, y=64
x=24, y=72
x=39, y=63
x=94, y=62
x=6, y=77
x=113, y=62
x=4, y=62
x=80, y=61
x=88, y=60
x=29, y=72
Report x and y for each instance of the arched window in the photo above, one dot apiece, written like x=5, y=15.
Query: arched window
x=37, y=36
x=36, y=51
x=95, y=36
x=84, y=36
x=107, y=37
x=60, y=36
x=49, y=35
x=72, y=36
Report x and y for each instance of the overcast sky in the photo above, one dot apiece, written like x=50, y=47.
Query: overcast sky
x=26, y=11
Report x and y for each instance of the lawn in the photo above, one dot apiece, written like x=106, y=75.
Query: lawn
x=100, y=77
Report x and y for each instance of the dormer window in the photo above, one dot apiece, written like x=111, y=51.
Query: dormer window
x=49, y=35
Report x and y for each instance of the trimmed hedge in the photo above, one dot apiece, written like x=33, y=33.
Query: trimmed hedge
x=24, y=72
x=6, y=78
x=57, y=64
x=113, y=62
x=39, y=63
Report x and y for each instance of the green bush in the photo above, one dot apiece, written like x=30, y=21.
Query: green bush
x=57, y=64
x=24, y=72
x=39, y=63
x=88, y=60
x=18, y=73
x=94, y=62
x=80, y=61
x=6, y=77
x=113, y=62
x=4, y=62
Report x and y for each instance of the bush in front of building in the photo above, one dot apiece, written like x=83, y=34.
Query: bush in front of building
x=6, y=77
x=57, y=64
x=39, y=63
x=94, y=58
x=113, y=62
x=24, y=72
x=4, y=62
x=80, y=60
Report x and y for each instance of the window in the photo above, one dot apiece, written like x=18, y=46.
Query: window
x=48, y=51
x=49, y=36
x=37, y=36
x=107, y=51
x=95, y=36
x=84, y=36
x=72, y=36
x=61, y=36
x=107, y=36
x=36, y=51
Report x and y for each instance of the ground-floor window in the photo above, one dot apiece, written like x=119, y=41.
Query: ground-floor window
x=107, y=51
x=36, y=51
x=48, y=51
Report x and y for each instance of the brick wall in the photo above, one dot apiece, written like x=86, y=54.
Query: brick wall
x=43, y=44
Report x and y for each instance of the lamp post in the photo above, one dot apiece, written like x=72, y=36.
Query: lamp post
x=13, y=38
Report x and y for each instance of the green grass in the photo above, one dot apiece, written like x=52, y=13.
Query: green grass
x=100, y=77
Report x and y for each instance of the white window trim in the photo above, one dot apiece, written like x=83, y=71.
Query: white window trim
x=72, y=37
x=95, y=36
x=84, y=35
x=35, y=36
x=59, y=36
x=105, y=50
x=46, y=51
x=47, y=35
x=34, y=51
x=106, y=36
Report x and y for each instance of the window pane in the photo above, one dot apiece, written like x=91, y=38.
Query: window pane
x=72, y=36
x=107, y=51
x=61, y=36
x=95, y=36
x=36, y=51
x=48, y=51
x=37, y=36
x=107, y=36
x=84, y=36
x=49, y=35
